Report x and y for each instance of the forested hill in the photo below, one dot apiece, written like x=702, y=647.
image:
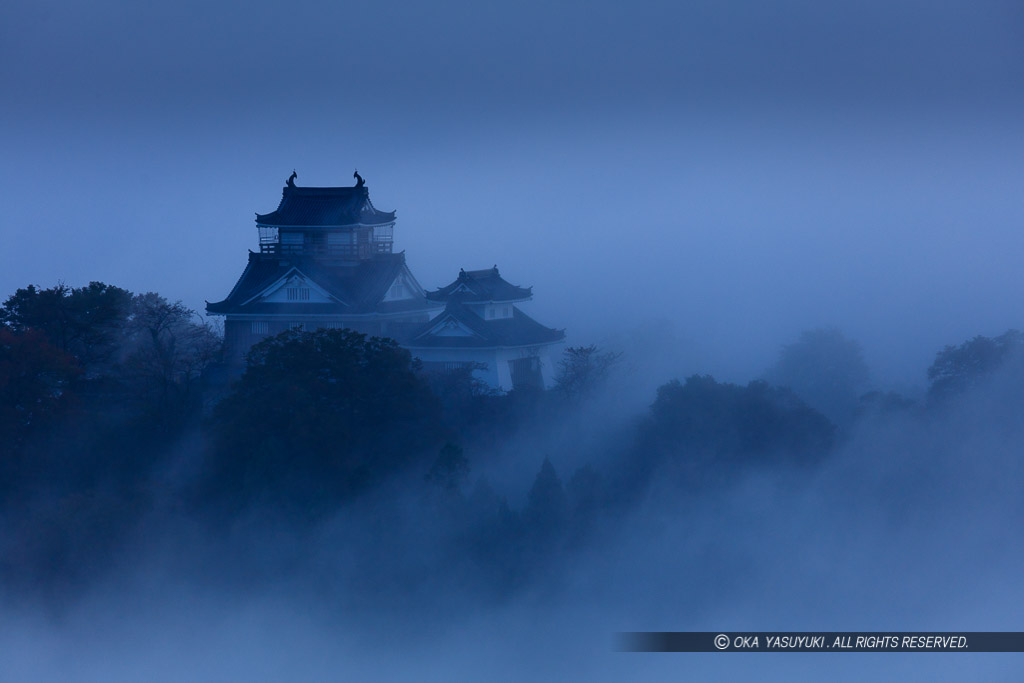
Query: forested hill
x=120, y=429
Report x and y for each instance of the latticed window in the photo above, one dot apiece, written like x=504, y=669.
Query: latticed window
x=526, y=373
x=298, y=294
x=260, y=327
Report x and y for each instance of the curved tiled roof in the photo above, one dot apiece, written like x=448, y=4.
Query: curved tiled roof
x=518, y=330
x=359, y=288
x=324, y=207
x=479, y=286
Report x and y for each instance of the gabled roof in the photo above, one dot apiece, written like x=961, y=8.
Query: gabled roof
x=358, y=287
x=519, y=330
x=324, y=207
x=476, y=286
x=293, y=277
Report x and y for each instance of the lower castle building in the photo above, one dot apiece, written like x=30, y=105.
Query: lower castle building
x=326, y=260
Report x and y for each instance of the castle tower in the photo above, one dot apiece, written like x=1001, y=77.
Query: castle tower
x=325, y=259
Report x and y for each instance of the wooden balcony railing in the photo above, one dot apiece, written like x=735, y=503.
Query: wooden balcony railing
x=342, y=251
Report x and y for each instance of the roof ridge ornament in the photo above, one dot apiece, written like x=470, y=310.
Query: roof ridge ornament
x=292, y=177
x=359, y=179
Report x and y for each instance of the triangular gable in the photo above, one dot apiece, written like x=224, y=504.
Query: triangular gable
x=403, y=287
x=294, y=287
x=447, y=325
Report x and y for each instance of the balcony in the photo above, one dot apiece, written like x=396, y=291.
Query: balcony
x=354, y=252
x=354, y=245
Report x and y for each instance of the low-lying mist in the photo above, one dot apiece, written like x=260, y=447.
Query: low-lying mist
x=523, y=561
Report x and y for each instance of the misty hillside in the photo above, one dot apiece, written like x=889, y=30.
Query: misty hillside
x=337, y=473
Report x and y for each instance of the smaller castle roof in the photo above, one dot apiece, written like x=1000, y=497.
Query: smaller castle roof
x=475, y=286
x=518, y=330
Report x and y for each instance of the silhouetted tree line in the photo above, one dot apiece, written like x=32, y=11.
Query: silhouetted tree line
x=702, y=431
x=959, y=369
x=96, y=383
x=98, y=346
x=99, y=387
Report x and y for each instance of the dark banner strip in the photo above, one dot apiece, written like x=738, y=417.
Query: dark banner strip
x=821, y=641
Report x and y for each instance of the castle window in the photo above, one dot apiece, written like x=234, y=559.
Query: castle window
x=499, y=311
x=260, y=327
x=298, y=294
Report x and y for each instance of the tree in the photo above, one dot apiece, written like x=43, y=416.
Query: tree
x=85, y=322
x=957, y=369
x=465, y=398
x=449, y=471
x=546, y=505
x=826, y=369
x=166, y=349
x=708, y=429
x=583, y=369
x=319, y=416
x=35, y=385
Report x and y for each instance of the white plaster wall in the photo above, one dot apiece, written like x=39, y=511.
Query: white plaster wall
x=498, y=373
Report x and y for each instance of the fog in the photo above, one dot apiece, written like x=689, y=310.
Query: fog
x=911, y=524
x=691, y=184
